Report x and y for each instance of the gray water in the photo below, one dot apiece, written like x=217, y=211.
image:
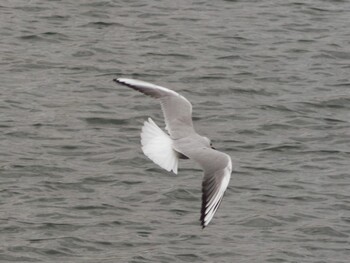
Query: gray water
x=270, y=85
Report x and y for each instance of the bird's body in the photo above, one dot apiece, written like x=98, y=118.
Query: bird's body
x=182, y=143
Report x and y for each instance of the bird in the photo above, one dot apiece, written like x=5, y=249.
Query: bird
x=181, y=141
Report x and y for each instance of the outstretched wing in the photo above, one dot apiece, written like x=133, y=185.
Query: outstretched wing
x=213, y=188
x=177, y=109
x=217, y=168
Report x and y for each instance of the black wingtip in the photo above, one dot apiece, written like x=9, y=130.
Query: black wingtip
x=116, y=80
x=201, y=219
x=204, y=202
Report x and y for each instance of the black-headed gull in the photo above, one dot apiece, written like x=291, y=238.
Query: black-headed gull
x=183, y=142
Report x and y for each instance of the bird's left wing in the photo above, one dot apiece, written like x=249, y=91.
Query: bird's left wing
x=176, y=108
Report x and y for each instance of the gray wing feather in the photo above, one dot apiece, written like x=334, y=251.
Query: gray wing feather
x=177, y=109
x=217, y=168
x=213, y=189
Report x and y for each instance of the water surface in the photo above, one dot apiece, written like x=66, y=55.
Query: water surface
x=269, y=81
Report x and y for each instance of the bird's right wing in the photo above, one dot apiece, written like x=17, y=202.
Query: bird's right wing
x=177, y=109
x=214, y=186
x=217, y=168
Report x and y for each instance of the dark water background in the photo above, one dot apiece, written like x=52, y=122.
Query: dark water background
x=270, y=85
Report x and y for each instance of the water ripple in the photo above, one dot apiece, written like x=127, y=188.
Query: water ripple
x=269, y=85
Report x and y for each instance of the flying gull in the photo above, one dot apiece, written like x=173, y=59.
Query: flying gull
x=182, y=142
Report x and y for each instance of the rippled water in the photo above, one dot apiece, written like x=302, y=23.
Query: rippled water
x=269, y=81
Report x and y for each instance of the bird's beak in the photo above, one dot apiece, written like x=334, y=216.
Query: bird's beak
x=213, y=147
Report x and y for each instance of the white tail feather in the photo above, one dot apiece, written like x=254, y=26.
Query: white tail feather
x=157, y=145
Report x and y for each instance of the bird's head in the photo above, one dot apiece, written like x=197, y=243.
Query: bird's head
x=208, y=142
